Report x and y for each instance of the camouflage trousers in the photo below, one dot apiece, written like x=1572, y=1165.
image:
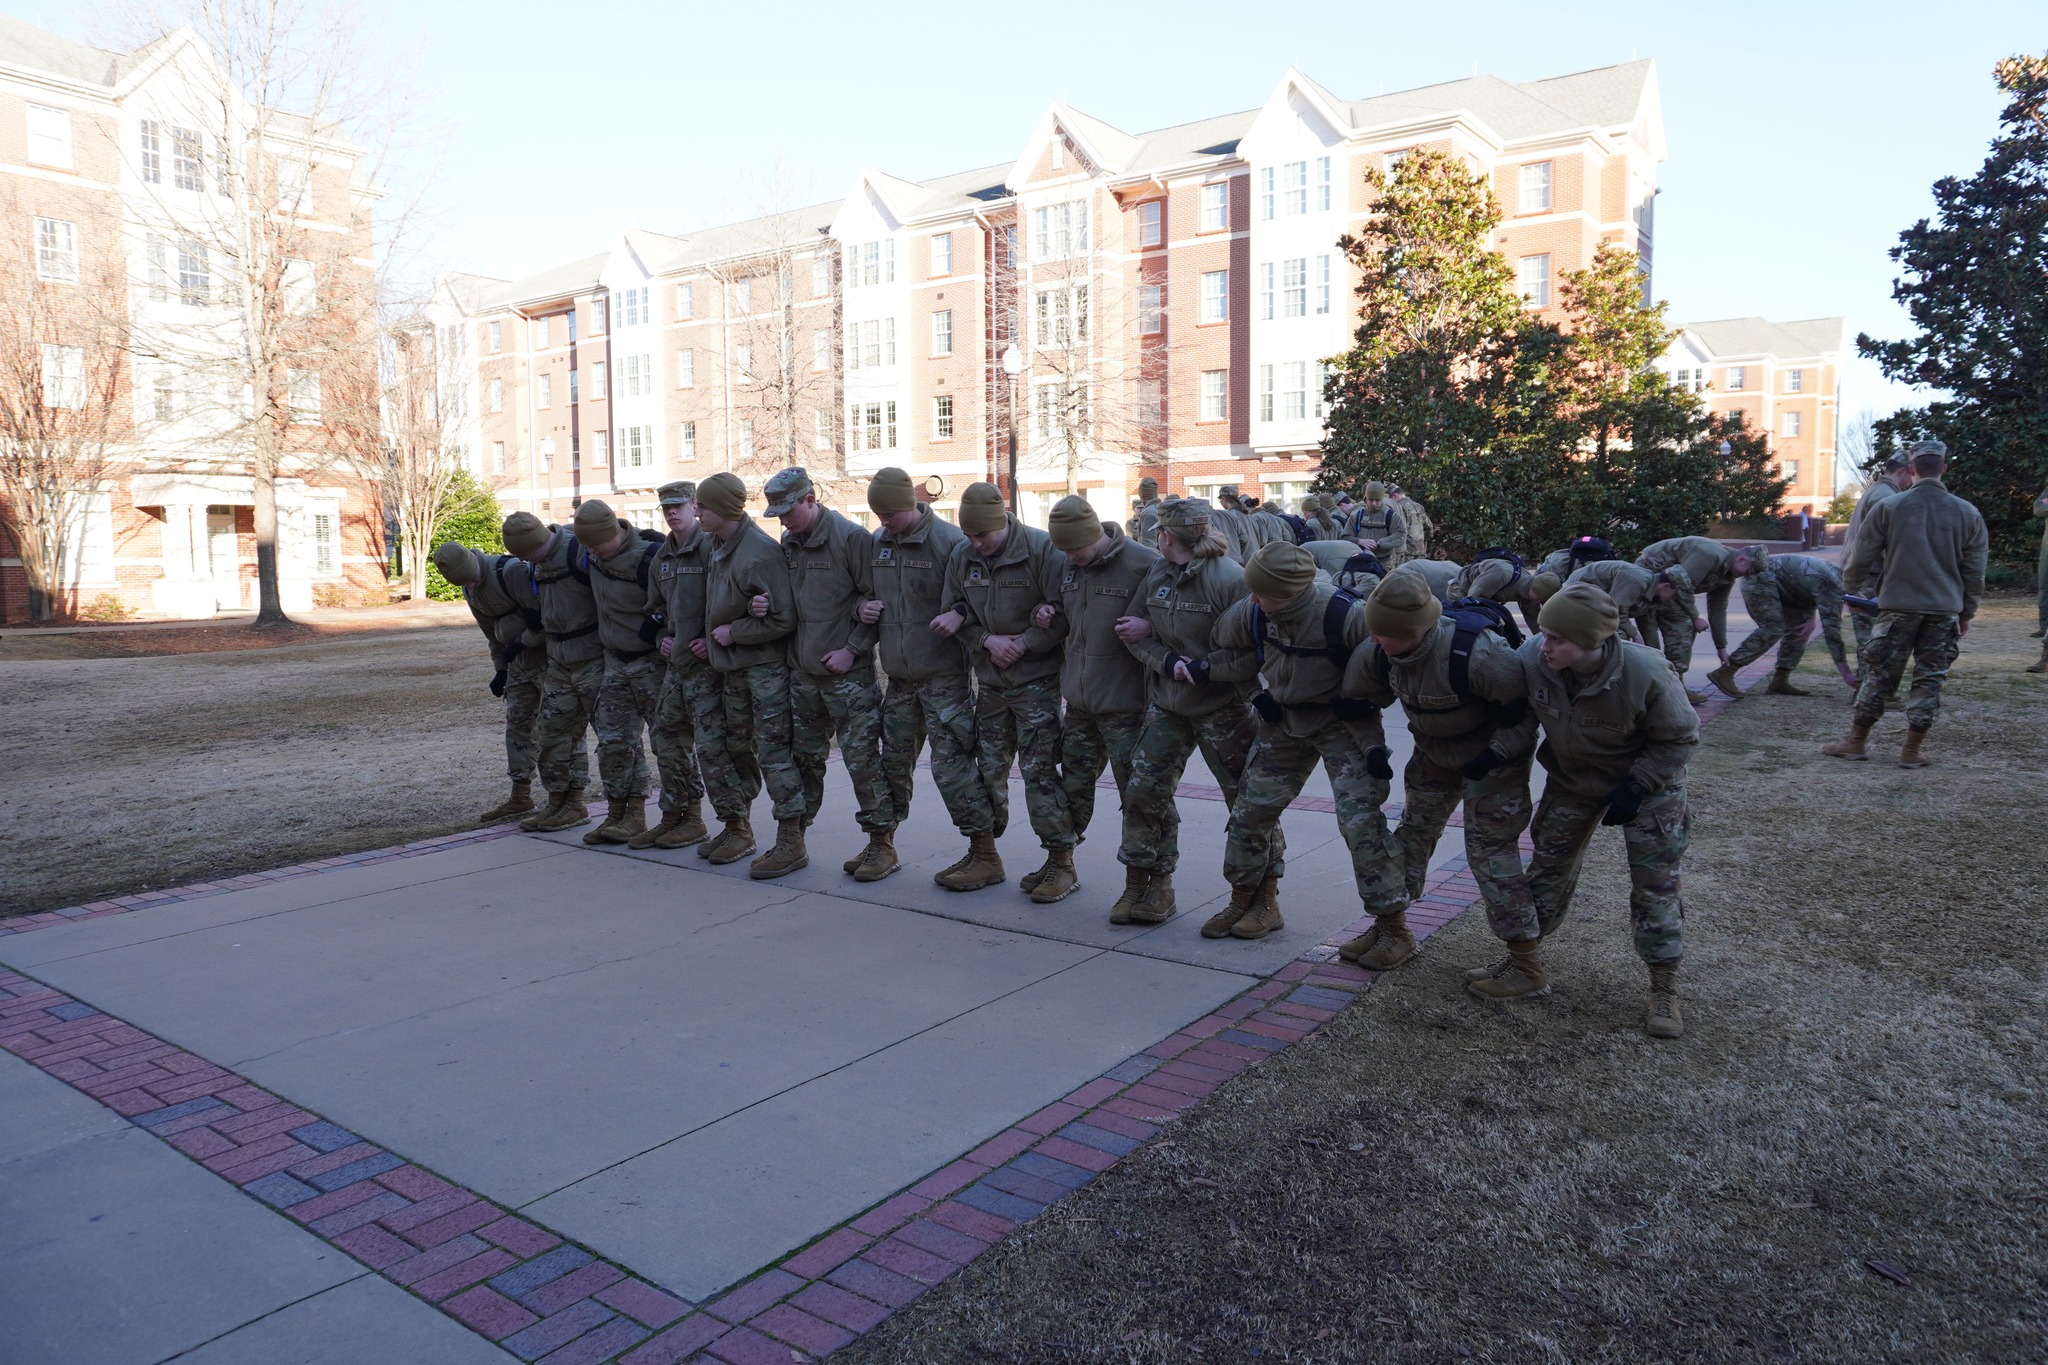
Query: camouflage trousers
x=1931, y=640
x=522, y=720
x=725, y=759
x=2042, y=586
x=568, y=697
x=1089, y=742
x=847, y=706
x=1655, y=840
x=1669, y=627
x=1279, y=765
x=1023, y=723
x=626, y=704
x=1151, y=839
x=1496, y=812
x=942, y=710
x=757, y=705
x=1392, y=557
x=1788, y=630
x=674, y=736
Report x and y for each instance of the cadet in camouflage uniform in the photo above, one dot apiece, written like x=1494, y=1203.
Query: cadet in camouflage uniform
x=1617, y=735
x=996, y=580
x=558, y=580
x=1474, y=747
x=1377, y=525
x=832, y=688
x=1896, y=478
x=620, y=562
x=750, y=614
x=1784, y=601
x=1235, y=526
x=1932, y=547
x=1712, y=569
x=1278, y=632
x=1170, y=630
x=1101, y=682
x=2041, y=602
x=1504, y=581
x=494, y=586
x=675, y=602
x=1636, y=590
x=929, y=694
x=1416, y=518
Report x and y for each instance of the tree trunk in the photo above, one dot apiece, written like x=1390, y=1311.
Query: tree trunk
x=269, y=601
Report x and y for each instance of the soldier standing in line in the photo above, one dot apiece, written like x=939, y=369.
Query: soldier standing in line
x=1170, y=630
x=1504, y=581
x=620, y=563
x=1713, y=569
x=1146, y=514
x=2041, y=598
x=1896, y=478
x=683, y=753
x=1416, y=518
x=996, y=582
x=1784, y=601
x=518, y=656
x=929, y=693
x=1636, y=591
x=1235, y=526
x=1298, y=634
x=558, y=581
x=1932, y=547
x=1377, y=526
x=1461, y=688
x=1617, y=735
x=1102, y=684
x=832, y=688
x=750, y=615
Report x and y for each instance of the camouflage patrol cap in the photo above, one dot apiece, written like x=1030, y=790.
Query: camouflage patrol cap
x=1179, y=512
x=1228, y=490
x=1678, y=578
x=1927, y=447
x=457, y=563
x=524, y=533
x=786, y=489
x=677, y=493
x=1759, y=558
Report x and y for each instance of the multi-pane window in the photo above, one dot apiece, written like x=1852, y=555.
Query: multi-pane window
x=821, y=436
x=294, y=179
x=63, y=376
x=1322, y=284
x=1214, y=395
x=686, y=369
x=1151, y=309
x=497, y=337
x=1294, y=287
x=1151, y=404
x=195, y=277
x=163, y=390
x=686, y=440
x=1535, y=187
x=56, y=250
x=1265, y=393
x=302, y=395
x=871, y=343
x=326, y=546
x=296, y=284
x=636, y=448
x=1294, y=389
x=1059, y=230
x=1294, y=176
x=497, y=395
x=600, y=447
x=1792, y=423
x=1789, y=468
x=1323, y=183
x=942, y=417
x=1149, y=226
x=1062, y=316
x=1266, y=182
x=49, y=136
x=743, y=296
x=638, y=372
x=821, y=350
x=600, y=378
x=540, y=330
x=1216, y=206
x=686, y=301
x=871, y=263
x=872, y=426
x=1321, y=394
x=1266, y=291
x=1795, y=381
x=152, y=163
x=942, y=332
x=821, y=276
x=575, y=386
x=597, y=317
x=497, y=457
x=1062, y=410
x=1532, y=279
x=1738, y=377
x=633, y=306
x=743, y=359
x=1215, y=305
x=188, y=159
x=746, y=438
x=544, y=391
x=942, y=254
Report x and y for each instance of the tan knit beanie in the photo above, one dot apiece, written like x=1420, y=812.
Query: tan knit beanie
x=524, y=533
x=1582, y=614
x=1280, y=571
x=890, y=491
x=596, y=526
x=457, y=563
x=1402, y=607
x=982, y=510
x=1545, y=586
x=1073, y=524
x=1375, y=490
x=723, y=495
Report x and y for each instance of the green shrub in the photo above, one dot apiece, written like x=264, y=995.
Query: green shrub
x=470, y=517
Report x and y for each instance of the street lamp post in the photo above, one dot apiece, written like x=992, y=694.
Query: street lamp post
x=1013, y=365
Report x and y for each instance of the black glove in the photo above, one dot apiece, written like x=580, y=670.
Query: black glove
x=1376, y=762
x=1510, y=713
x=1198, y=669
x=1268, y=709
x=1482, y=763
x=498, y=683
x=531, y=615
x=514, y=650
x=649, y=628
x=1624, y=803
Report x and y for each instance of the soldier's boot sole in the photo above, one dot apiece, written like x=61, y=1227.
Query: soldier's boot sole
x=690, y=829
x=567, y=816
x=878, y=859
x=518, y=803
x=1157, y=905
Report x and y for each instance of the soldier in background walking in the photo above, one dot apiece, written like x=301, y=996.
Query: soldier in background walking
x=1416, y=518
x=494, y=586
x=1896, y=478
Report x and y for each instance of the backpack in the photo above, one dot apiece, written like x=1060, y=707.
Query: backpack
x=1590, y=550
x=1472, y=617
x=1500, y=552
x=1365, y=561
x=1303, y=532
x=1334, y=611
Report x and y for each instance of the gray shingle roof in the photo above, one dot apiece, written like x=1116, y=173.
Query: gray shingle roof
x=23, y=44
x=561, y=280
x=1730, y=337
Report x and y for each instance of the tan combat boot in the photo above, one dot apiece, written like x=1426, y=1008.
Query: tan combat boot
x=1136, y=879
x=1851, y=747
x=786, y=857
x=646, y=837
x=2040, y=665
x=1057, y=880
x=1500, y=965
x=1724, y=678
x=1697, y=698
x=626, y=822
x=688, y=829
x=543, y=811
x=1392, y=944
x=1218, y=924
x=518, y=803
x=1909, y=754
x=1156, y=906
x=733, y=843
x=568, y=813
x=1523, y=979
x=1263, y=917
x=1783, y=686
x=879, y=858
x=1664, y=1020
x=982, y=866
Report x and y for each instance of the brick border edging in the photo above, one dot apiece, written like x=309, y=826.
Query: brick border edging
x=547, y=1299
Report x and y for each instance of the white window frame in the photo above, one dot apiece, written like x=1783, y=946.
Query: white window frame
x=1215, y=296
x=821, y=276
x=540, y=333
x=1265, y=393
x=1061, y=316
x=746, y=438
x=600, y=448
x=1534, y=186
x=1294, y=391
x=1059, y=231
x=743, y=295
x=1216, y=206
x=299, y=288
x=294, y=183
x=497, y=457
x=57, y=250
x=63, y=377
x=497, y=337
x=497, y=395
x=636, y=450
x=686, y=436
x=821, y=435
x=1738, y=377
x=1294, y=287
x=600, y=378
x=942, y=417
x=544, y=391
x=1151, y=309
x=1215, y=396
x=1267, y=179
x=942, y=254
x=1532, y=281
x=1322, y=284
x=150, y=162
x=821, y=349
x=686, y=302
x=1323, y=182
x=743, y=359
x=1295, y=183
x=1266, y=291
x=49, y=136
x=942, y=332
x=1152, y=222
x=1795, y=381
x=1793, y=425
x=188, y=160
x=686, y=368
x=302, y=397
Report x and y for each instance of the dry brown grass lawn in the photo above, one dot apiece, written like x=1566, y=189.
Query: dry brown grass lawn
x=1435, y=1179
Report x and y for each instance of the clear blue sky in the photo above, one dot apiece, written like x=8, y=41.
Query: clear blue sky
x=1802, y=136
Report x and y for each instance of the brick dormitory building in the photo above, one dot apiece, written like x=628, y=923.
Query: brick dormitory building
x=122, y=182
x=1169, y=296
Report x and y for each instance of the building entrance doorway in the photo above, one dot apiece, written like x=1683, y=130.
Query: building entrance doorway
x=223, y=555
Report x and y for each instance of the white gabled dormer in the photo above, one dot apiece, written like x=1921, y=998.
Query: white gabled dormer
x=634, y=389
x=875, y=318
